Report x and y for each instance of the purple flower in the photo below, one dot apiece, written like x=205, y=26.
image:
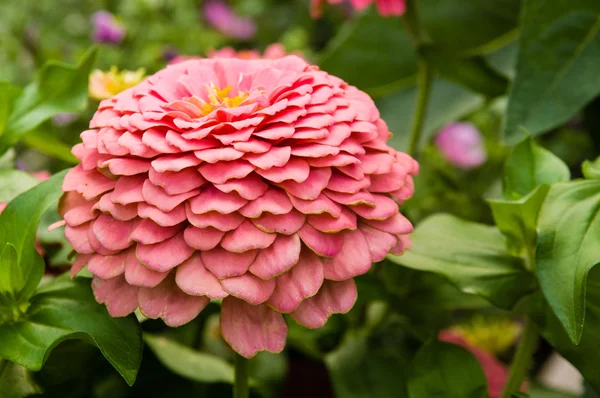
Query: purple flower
x=107, y=29
x=461, y=144
x=223, y=18
x=64, y=119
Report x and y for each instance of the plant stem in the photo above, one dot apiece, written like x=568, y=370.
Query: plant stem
x=240, y=386
x=424, y=78
x=522, y=359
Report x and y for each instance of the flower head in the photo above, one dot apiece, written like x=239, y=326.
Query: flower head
x=103, y=85
x=265, y=183
x=219, y=15
x=385, y=7
x=107, y=29
x=462, y=145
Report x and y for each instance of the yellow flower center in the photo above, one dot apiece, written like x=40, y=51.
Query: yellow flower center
x=219, y=98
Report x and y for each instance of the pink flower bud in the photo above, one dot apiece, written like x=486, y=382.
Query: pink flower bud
x=462, y=145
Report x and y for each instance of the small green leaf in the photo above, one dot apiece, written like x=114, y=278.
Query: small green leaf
x=370, y=365
x=18, y=226
x=16, y=381
x=467, y=26
x=361, y=54
x=58, y=88
x=191, y=364
x=517, y=219
x=568, y=247
x=470, y=255
x=14, y=183
x=446, y=370
x=10, y=277
x=559, y=46
x=530, y=165
x=473, y=73
x=66, y=309
x=48, y=143
x=591, y=170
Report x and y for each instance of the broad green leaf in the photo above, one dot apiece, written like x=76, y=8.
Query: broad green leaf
x=8, y=93
x=530, y=165
x=568, y=247
x=18, y=226
x=373, y=53
x=446, y=370
x=16, y=381
x=517, y=219
x=58, y=88
x=448, y=102
x=371, y=366
x=66, y=309
x=473, y=72
x=470, y=255
x=559, y=46
x=14, y=183
x=191, y=364
x=10, y=277
x=48, y=143
x=469, y=26
x=591, y=170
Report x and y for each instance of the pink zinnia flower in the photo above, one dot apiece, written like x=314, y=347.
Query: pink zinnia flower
x=219, y=15
x=265, y=183
x=385, y=7
x=107, y=29
x=462, y=145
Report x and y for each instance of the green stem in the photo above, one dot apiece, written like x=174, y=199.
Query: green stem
x=424, y=78
x=522, y=359
x=240, y=387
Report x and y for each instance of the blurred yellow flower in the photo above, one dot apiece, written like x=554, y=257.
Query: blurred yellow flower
x=103, y=85
x=492, y=334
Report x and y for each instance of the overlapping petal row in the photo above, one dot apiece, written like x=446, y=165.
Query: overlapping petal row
x=265, y=183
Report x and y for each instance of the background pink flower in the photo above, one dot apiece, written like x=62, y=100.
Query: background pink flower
x=219, y=15
x=385, y=7
x=462, y=145
x=265, y=183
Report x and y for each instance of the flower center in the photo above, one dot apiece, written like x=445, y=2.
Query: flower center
x=219, y=98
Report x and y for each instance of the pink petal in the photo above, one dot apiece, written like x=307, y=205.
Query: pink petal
x=107, y=267
x=301, y=282
x=314, y=150
x=194, y=279
x=342, y=183
x=127, y=166
x=168, y=302
x=113, y=234
x=326, y=223
x=275, y=131
x=380, y=243
x=117, y=211
x=80, y=214
x=119, y=296
x=80, y=262
x=315, y=121
x=320, y=205
x=155, y=139
x=211, y=199
x=296, y=169
x=252, y=146
x=286, y=224
x=353, y=259
x=246, y=237
x=175, y=162
x=222, y=222
x=332, y=298
x=218, y=154
x=221, y=172
x=250, y=187
x=361, y=197
x=157, y=197
x=224, y=264
x=202, y=238
x=250, y=329
x=177, y=182
x=324, y=244
x=128, y=190
x=137, y=274
x=274, y=201
x=311, y=188
x=249, y=288
x=164, y=219
x=165, y=255
x=275, y=157
x=384, y=208
x=277, y=258
x=403, y=243
x=397, y=224
x=149, y=232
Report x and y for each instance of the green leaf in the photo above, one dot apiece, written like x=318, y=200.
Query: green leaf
x=446, y=370
x=373, y=53
x=14, y=183
x=470, y=255
x=467, y=26
x=66, y=309
x=568, y=247
x=16, y=381
x=559, y=46
x=10, y=277
x=591, y=170
x=448, y=102
x=517, y=219
x=191, y=364
x=529, y=166
x=473, y=73
x=18, y=226
x=370, y=365
x=8, y=93
x=48, y=143
x=58, y=88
